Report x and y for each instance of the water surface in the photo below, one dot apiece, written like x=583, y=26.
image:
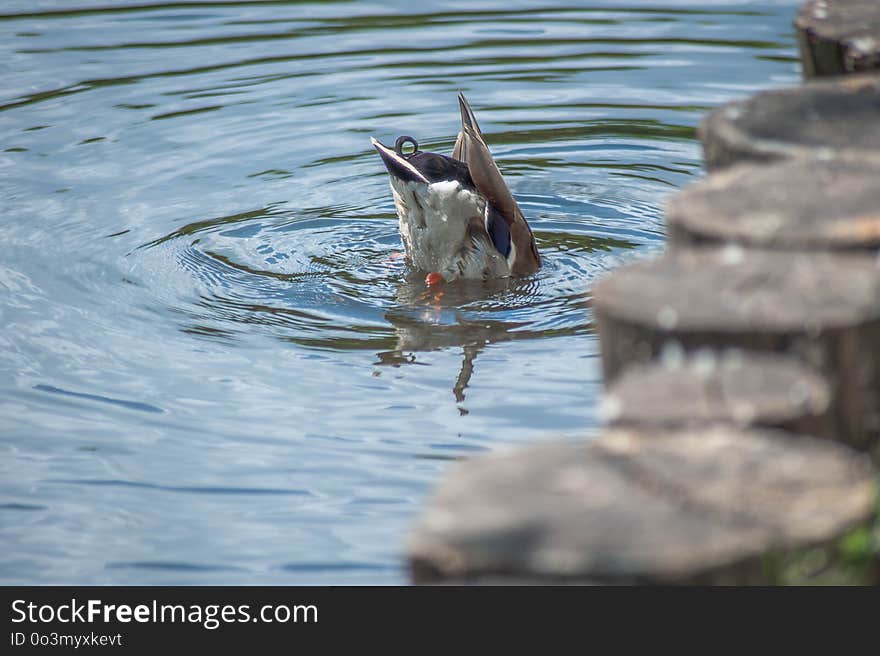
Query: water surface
x=214, y=367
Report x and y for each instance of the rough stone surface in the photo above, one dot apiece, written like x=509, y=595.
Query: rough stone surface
x=800, y=204
x=702, y=505
x=837, y=118
x=820, y=308
x=839, y=36
x=735, y=387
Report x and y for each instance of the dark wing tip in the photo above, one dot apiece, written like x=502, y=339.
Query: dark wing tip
x=468, y=120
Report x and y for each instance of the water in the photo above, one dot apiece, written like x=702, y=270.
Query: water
x=213, y=367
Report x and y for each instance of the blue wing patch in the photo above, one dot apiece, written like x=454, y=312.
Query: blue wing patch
x=498, y=230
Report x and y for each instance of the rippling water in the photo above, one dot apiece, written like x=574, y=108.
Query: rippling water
x=214, y=367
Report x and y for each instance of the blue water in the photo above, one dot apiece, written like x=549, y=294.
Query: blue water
x=213, y=367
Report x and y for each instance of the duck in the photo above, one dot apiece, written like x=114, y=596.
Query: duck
x=457, y=216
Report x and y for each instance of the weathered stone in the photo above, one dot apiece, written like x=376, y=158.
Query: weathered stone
x=707, y=505
x=839, y=118
x=797, y=204
x=839, y=36
x=820, y=308
x=735, y=387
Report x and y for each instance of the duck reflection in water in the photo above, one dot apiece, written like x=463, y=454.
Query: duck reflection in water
x=432, y=319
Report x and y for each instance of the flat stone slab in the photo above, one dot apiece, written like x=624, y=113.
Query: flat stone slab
x=701, y=505
x=735, y=387
x=800, y=204
x=839, y=36
x=835, y=118
x=731, y=290
x=822, y=309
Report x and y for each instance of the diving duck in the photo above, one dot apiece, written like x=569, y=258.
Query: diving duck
x=457, y=216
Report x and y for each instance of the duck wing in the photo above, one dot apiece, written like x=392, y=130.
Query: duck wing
x=468, y=119
x=471, y=149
